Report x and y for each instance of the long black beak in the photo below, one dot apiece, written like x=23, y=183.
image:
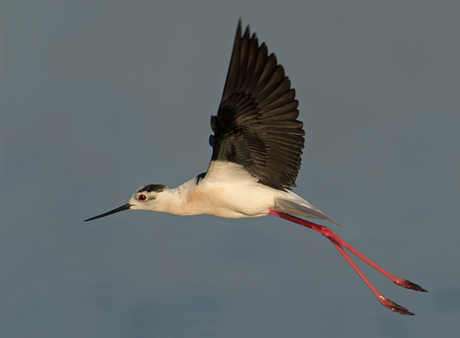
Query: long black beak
x=123, y=207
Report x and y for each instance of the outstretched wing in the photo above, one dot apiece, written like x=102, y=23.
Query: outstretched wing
x=256, y=125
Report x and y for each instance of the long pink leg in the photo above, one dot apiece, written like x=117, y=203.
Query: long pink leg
x=339, y=244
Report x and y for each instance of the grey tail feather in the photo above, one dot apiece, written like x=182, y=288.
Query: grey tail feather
x=291, y=207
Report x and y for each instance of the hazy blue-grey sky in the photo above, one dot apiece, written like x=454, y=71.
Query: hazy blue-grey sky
x=100, y=97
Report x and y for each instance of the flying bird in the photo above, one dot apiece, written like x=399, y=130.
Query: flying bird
x=257, y=147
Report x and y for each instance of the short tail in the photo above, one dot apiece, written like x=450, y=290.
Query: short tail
x=296, y=205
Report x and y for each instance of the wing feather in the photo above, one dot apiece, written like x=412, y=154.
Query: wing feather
x=256, y=125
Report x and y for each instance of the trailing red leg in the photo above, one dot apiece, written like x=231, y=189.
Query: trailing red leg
x=340, y=244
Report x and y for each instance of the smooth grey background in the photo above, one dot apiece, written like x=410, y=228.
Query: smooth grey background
x=100, y=97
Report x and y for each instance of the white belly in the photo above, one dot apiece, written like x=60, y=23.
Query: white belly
x=229, y=201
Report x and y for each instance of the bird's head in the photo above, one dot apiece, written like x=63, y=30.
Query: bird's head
x=145, y=198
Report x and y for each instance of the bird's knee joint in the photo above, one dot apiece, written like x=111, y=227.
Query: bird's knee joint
x=326, y=232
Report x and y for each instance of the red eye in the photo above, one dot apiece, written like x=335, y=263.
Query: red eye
x=142, y=197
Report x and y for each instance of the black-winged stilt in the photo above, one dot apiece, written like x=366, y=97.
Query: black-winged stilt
x=257, y=148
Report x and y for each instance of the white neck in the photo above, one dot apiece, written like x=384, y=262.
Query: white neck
x=177, y=201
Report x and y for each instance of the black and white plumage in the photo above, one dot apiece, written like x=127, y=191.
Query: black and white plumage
x=257, y=148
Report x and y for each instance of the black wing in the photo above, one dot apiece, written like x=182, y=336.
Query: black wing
x=256, y=125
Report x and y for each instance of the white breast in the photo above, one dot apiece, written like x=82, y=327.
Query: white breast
x=227, y=190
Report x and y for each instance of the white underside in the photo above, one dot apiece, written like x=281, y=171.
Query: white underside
x=229, y=191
